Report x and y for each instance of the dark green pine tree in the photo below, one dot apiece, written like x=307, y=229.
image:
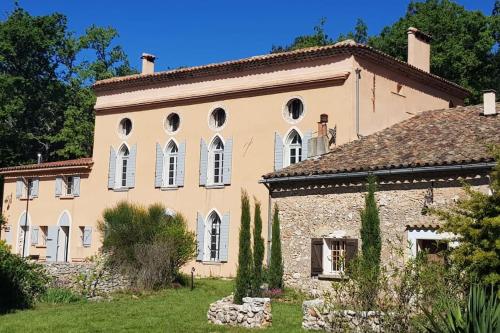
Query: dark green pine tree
x=258, y=250
x=276, y=265
x=245, y=266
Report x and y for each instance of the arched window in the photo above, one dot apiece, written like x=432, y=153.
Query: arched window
x=293, y=148
x=170, y=164
x=216, y=162
x=122, y=166
x=213, y=228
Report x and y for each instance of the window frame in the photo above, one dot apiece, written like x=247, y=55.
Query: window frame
x=289, y=146
x=212, y=121
x=122, y=129
x=27, y=182
x=328, y=256
x=121, y=171
x=42, y=236
x=168, y=167
x=212, y=254
x=67, y=186
x=215, y=156
x=287, y=112
x=167, y=124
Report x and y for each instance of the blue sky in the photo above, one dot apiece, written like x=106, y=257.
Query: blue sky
x=195, y=32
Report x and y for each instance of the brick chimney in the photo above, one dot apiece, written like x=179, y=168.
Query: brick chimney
x=319, y=144
x=323, y=125
x=419, y=49
x=489, y=102
x=148, y=63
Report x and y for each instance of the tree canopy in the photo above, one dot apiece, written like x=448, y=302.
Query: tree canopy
x=46, y=104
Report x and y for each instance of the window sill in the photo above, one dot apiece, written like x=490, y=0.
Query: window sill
x=121, y=189
x=41, y=246
x=398, y=94
x=66, y=197
x=212, y=263
x=332, y=276
x=169, y=188
x=216, y=186
x=25, y=199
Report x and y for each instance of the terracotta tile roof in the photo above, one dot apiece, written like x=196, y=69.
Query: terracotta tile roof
x=256, y=62
x=433, y=225
x=80, y=162
x=431, y=138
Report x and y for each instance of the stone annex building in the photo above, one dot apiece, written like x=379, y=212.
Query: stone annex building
x=192, y=138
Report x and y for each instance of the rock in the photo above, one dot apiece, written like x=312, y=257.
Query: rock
x=254, y=312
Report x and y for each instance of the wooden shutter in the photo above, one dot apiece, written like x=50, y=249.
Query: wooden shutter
x=36, y=186
x=52, y=233
x=181, y=157
x=87, y=236
x=34, y=235
x=228, y=158
x=316, y=256
x=224, y=238
x=200, y=236
x=19, y=188
x=305, y=144
x=76, y=186
x=159, y=166
x=59, y=182
x=131, y=167
x=111, y=168
x=278, y=152
x=203, y=162
x=351, y=250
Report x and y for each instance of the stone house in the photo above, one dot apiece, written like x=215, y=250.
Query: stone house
x=192, y=138
x=419, y=163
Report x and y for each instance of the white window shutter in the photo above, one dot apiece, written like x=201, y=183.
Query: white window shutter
x=36, y=186
x=224, y=238
x=76, y=186
x=203, y=162
x=228, y=158
x=131, y=167
x=34, y=235
x=200, y=236
x=52, y=233
x=305, y=144
x=59, y=182
x=181, y=156
x=159, y=166
x=278, y=151
x=87, y=236
x=19, y=188
x=111, y=168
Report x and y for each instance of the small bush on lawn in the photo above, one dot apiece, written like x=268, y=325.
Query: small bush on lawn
x=60, y=296
x=146, y=244
x=21, y=282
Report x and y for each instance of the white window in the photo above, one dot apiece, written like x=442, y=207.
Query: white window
x=172, y=123
x=333, y=256
x=293, y=148
x=69, y=186
x=170, y=164
x=213, y=237
x=122, y=166
x=216, y=162
x=125, y=127
x=217, y=118
x=429, y=241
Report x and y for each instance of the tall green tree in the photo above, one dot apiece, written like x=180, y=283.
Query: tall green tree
x=243, y=286
x=258, y=249
x=318, y=38
x=464, y=49
x=476, y=222
x=276, y=264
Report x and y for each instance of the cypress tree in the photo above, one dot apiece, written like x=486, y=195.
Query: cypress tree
x=258, y=250
x=276, y=265
x=245, y=266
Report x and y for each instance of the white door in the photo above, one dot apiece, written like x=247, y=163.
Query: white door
x=62, y=244
x=24, y=241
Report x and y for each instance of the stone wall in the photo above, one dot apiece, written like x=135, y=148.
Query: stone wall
x=334, y=212
x=72, y=276
x=253, y=313
x=317, y=317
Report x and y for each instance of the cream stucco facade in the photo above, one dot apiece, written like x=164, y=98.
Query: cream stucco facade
x=254, y=101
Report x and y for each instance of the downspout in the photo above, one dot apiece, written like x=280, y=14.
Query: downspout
x=358, y=76
x=26, y=217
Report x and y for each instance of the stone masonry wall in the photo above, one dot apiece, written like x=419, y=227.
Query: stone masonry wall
x=253, y=313
x=335, y=213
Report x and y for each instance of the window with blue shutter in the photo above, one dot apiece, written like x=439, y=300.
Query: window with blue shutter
x=52, y=233
x=76, y=186
x=59, y=185
x=112, y=168
x=224, y=238
x=159, y=166
x=200, y=236
x=278, y=152
x=203, y=162
x=35, y=187
x=305, y=144
x=131, y=167
x=34, y=235
x=87, y=236
x=19, y=188
x=228, y=158
x=181, y=156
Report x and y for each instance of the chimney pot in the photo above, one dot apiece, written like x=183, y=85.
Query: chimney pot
x=322, y=125
x=148, y=63
x=419, y=49
x=489, y=102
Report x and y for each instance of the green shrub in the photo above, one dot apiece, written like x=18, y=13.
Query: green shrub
x=244, y=274
x=60, y=296
x=146, y=244
x=21, y=282
x=258, y=250
x=275, y=274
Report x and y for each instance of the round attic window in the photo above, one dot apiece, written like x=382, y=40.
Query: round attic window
x=172, y=123
x=125, y=127
x=217, y=118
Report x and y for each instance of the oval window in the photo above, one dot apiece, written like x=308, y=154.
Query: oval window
x=125, y=127
x=172, y=122
x=217, y=118
x=294, y=109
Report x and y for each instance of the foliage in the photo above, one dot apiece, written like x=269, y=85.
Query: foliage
x=21, y=282
x=463, y=44
x=60, y=296
x=371, y=245
x=476, y=222
x=481, y=314
x=275, y=274
x=87, y=282
x=258, y=250
x=244, y=274
x=146, y=244
x=46, y=103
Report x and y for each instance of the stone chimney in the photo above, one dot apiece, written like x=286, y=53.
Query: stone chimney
x=148, y=63
x=419, y=49
x=489, y=102
x=319, y=145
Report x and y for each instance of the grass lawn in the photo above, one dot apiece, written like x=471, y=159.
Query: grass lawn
x=179, y=310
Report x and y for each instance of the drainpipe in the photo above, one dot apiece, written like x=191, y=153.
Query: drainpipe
x=26, y=217
x=358, y=76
